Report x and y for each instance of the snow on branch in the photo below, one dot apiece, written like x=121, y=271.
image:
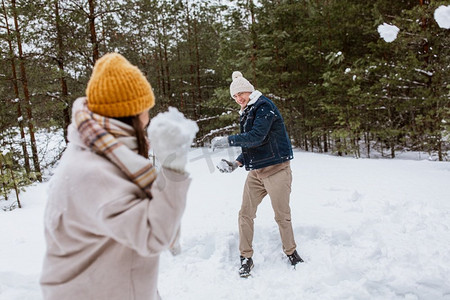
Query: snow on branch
x=428, y=73
x=213, y=117
x=216, y=131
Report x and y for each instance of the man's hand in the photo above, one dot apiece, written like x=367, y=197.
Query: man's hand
x=226, y=166
x=219, y=142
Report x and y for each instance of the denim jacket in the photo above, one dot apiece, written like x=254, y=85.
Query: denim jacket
x=263, y=138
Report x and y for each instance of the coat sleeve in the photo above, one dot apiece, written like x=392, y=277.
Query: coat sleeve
x=240, y=158
x=255, y=137
x=147, y=226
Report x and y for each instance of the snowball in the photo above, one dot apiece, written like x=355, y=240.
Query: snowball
x=388, y=32
x=224, y=166
x=171, y=129
x=442, y=16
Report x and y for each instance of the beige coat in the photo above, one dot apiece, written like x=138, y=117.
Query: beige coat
x=103, y=236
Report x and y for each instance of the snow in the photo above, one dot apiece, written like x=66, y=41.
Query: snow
x=428, y=73
x=367, y=229
x=388, y=32
x=442, y=16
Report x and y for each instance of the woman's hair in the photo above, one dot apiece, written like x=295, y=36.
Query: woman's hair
x=141, y=137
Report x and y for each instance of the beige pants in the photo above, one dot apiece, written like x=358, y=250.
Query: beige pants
x=278, y=187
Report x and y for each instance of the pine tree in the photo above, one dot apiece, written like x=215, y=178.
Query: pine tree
x=14, y=81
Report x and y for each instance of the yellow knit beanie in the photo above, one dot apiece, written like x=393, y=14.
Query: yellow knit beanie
x=117, y=88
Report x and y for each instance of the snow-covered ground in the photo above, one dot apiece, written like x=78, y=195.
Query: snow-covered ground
x=367, y=229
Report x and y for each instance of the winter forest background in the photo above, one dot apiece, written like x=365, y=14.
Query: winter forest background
x=342, y=89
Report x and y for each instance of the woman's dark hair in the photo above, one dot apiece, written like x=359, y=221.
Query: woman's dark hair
x=142, y=143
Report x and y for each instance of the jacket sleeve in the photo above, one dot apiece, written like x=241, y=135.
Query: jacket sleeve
x=240, y=158
x=147, y=226
x=255, y=137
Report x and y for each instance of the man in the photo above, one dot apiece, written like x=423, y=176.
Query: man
x=266, y=153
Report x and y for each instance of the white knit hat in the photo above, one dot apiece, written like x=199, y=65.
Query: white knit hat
x=240, y=84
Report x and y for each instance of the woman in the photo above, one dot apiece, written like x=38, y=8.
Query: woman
x=109, y=213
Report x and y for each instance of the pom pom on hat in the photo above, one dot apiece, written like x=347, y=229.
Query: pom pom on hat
x=236, y=74
x=240, y=84
x=117, y=88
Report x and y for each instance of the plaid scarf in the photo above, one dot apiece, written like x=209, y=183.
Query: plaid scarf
x=102, y=135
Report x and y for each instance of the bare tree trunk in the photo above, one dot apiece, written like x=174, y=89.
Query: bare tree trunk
x=356, y=145
x=182, y=104
x=62, y=79
x=197, y=70
x=253, y=58
x=166, y=60
x=433, y=127
x=93, y=33
x=26, y=93
x=158, y=72
x=23, y=141
x=161, y=67
x=440, y=154
x=191, y=66
x=367, y=140
x=16, y=189
x=4, y=183
x=392, y=146
x=338, y=143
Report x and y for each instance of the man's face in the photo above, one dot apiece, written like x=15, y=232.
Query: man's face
x=242, y=98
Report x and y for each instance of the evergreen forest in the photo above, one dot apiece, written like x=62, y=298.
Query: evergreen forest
x=341, y=88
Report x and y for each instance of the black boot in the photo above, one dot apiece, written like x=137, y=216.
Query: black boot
x=294, y=258
x=246, y=266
